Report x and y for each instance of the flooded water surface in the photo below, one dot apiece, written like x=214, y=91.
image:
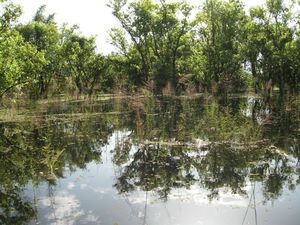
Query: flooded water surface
x=150, y=160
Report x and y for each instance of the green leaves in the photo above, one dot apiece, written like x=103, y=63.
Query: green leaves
x=20, y=62
x=219, y=33
x=9, y=13
x=269, y=31
x=79, y=52
x=157, y=43
x=157, y=33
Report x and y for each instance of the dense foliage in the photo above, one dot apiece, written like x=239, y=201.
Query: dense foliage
x=162, y=47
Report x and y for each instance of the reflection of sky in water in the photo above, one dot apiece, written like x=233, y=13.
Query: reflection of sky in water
x=66, y=208
x=87, y=196
x=248, y=111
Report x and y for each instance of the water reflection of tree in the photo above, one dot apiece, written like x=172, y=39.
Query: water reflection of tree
x=239, y=151
x=170, y=143
x=154, y=167
x=39, y=151
x=14, y=209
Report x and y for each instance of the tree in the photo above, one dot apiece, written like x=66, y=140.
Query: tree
x=254, y=42
x=158, y=35
x=219, y=34
x=43, y=33
x=9, y=14
x=79, y=52
x=270, y=37
x=83, y=64
x=20, y=62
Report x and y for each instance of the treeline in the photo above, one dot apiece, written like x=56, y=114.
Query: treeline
x=162, y=47
x=39, y=58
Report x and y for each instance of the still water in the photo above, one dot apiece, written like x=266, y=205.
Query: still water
x=154, y=161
